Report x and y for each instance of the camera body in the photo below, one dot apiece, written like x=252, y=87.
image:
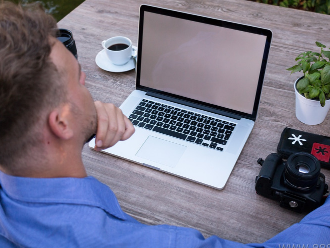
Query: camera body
x=296, y=183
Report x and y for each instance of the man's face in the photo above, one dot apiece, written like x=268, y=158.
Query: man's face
x=81, y=104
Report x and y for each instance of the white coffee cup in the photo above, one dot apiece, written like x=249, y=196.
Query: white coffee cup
x=119, y=49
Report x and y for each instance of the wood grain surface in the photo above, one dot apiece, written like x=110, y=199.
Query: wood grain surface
x=237, y=212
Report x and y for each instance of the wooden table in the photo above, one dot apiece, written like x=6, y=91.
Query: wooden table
x=237, y=212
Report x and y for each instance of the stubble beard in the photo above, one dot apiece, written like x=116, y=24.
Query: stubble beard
x=89, y=122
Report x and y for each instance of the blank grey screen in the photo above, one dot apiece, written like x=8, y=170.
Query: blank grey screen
x=203, y=62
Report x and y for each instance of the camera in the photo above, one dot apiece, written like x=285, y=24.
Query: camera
x=296, y=183
x=66, y=37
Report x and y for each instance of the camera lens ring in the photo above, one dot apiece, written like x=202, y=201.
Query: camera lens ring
x=302, y=171
x=61, y=32
x=68, y=40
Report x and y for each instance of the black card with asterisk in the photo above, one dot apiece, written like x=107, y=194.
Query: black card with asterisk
x=293, y=141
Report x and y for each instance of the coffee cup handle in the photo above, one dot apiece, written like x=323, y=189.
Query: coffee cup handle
x=134, y=52
x=103, y=44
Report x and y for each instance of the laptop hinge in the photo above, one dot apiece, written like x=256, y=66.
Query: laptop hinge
x=194, y=105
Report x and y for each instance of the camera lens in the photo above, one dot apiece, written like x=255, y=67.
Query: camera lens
x=66, y=37
x=302, y=171
x=302, y=168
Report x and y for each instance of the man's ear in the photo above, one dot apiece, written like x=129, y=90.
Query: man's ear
x=59, y=122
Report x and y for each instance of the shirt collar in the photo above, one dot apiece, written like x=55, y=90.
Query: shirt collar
x=83, y=191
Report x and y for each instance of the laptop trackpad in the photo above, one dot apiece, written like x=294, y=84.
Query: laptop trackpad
x=161, y=151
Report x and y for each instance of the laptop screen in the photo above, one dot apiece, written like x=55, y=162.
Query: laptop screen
x=208, y=63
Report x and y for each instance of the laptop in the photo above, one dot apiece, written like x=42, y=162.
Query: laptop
x=198, y=86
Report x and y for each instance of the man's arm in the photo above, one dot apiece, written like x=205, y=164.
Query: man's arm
x=112, y=125
x=313, y=231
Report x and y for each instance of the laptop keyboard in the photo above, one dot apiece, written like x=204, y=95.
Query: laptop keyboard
x=179, y=123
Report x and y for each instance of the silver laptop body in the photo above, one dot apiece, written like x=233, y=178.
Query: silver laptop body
x=203, y=72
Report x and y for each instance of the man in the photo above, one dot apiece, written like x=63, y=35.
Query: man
x=46, y=116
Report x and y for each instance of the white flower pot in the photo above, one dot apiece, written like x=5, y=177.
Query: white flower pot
x=310, y=111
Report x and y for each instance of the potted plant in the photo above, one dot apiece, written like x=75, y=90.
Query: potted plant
x=313, y=88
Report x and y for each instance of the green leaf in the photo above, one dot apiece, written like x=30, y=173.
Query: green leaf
x=302, y=84
x=314, y=93
x=295, y=68
x=317, y=83
x=326, y=89
x=322, y=98
x=325, y=75
x=306, y=90
x=317, y=65
x=302, y=54
x=305, y=66
x=316, y=54
x=320, y=44
x=326, y=54
x=311, y=59
x=312, y=71
x=313, y=77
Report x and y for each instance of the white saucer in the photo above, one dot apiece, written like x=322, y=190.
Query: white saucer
x=104, y=63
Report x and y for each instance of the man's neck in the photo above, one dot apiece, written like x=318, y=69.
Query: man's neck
x=54, y=163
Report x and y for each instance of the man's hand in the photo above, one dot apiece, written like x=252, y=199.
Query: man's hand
x=112, y=125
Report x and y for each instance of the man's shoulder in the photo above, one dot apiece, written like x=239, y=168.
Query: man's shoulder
x=63, y=208
x=86, y=191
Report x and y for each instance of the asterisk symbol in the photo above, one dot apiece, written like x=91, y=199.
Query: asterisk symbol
x=296, y=139
x=321, y=150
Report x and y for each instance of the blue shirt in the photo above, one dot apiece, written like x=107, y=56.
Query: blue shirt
x=82, y=212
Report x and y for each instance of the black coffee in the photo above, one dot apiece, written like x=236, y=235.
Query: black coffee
x=118, y=47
